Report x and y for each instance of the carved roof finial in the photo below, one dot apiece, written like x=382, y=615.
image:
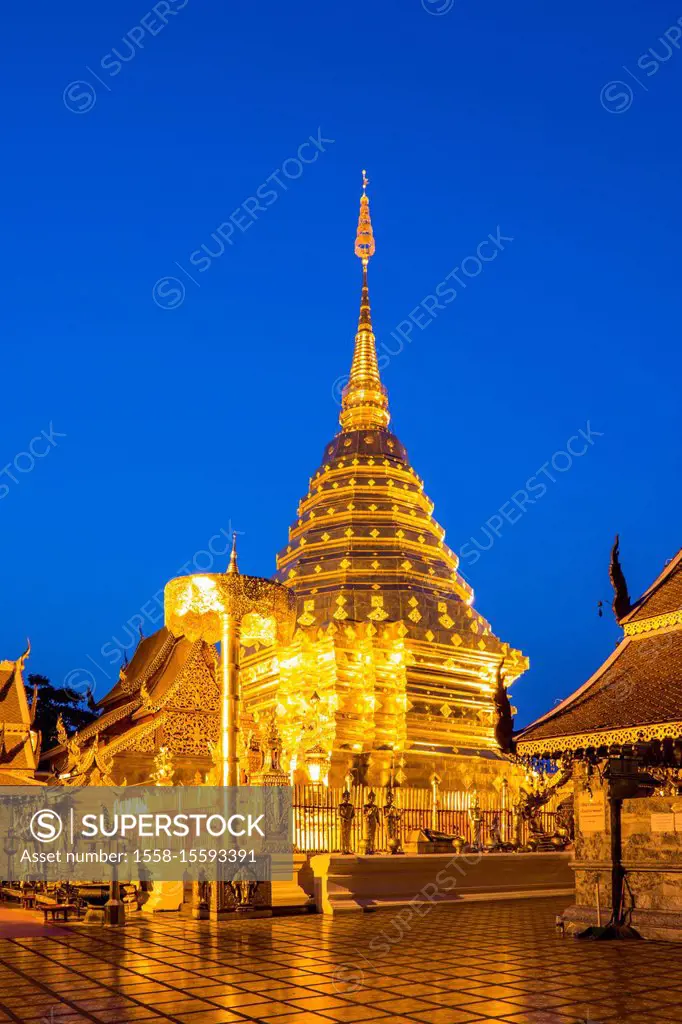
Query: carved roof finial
x=621, y=598
x=504, y=725
x=24, y=657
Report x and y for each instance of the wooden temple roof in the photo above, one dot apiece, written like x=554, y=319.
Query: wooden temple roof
x=150, y=658
x=137, y=702
x=18, y=740
x=664, y=596
x=635, y=697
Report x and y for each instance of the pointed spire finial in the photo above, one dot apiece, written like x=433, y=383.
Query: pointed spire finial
x=233, y=567
x=365, y=246
x=364, y=401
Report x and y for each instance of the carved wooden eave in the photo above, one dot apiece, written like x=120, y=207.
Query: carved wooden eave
x=654, y=624
x=133, y=735
x=604, y=739
x=98, y=726
x=93, y=768
x=95, y=765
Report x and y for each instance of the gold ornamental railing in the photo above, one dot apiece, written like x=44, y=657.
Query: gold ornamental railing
x=317, y=823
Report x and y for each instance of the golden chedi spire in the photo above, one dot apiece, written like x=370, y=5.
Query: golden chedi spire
x=364, y=400
x=233, y=568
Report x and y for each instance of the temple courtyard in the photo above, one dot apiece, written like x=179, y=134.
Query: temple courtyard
x=475, y=962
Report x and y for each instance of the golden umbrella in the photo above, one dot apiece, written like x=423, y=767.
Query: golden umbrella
x=229, y=608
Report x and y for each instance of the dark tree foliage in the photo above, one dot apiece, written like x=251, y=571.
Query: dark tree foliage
x=54, y=701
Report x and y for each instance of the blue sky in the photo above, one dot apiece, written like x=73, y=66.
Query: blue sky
x=554, y=126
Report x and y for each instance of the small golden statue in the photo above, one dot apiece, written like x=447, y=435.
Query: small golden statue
x=494, y=833
x=393, y=814
x=163, y=768
x=62, y=735
x=274, y=744
x=252, y=754
x=372, y=816
x=517, y=823
x=212, y=776
x=346, y=814
x=476, y=820
x=244, y=888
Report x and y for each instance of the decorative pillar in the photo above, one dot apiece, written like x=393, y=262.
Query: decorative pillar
x=435, y=781
x=505, y=810
x=230, y=701
x=114, y=908
x=200, y=900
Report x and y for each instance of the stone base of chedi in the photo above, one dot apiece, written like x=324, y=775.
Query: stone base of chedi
x=352, y=883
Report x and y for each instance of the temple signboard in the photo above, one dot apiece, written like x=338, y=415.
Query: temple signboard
x=592, y=812
x=664, y=821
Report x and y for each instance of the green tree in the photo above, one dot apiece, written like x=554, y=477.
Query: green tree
x=53, y=701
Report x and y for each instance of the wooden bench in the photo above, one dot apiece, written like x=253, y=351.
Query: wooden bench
x=8, y=893
x=56, y=910
x=28, y=900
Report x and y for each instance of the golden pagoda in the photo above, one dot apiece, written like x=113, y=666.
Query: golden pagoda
x=392, y=670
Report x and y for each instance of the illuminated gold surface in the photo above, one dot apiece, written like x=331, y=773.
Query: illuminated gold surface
x=230, y=608
x=390, y=654
x=364, y=399
x=195, y=607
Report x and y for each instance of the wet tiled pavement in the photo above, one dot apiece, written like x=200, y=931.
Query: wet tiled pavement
x=477, y=962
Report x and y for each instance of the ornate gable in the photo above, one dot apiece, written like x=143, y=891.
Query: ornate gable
x=196, y=688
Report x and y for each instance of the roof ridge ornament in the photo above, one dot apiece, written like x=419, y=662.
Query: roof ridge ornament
x=621, y=598
x=364, y=401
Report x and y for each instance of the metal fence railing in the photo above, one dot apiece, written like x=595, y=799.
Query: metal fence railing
x=317, y=823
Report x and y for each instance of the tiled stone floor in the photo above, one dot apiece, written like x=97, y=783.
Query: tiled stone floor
x=477, y=962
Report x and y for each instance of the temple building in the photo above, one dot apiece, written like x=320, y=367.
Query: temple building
x=19, y=741
x=391, y=671
x=167, y=696
x=622, y=734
